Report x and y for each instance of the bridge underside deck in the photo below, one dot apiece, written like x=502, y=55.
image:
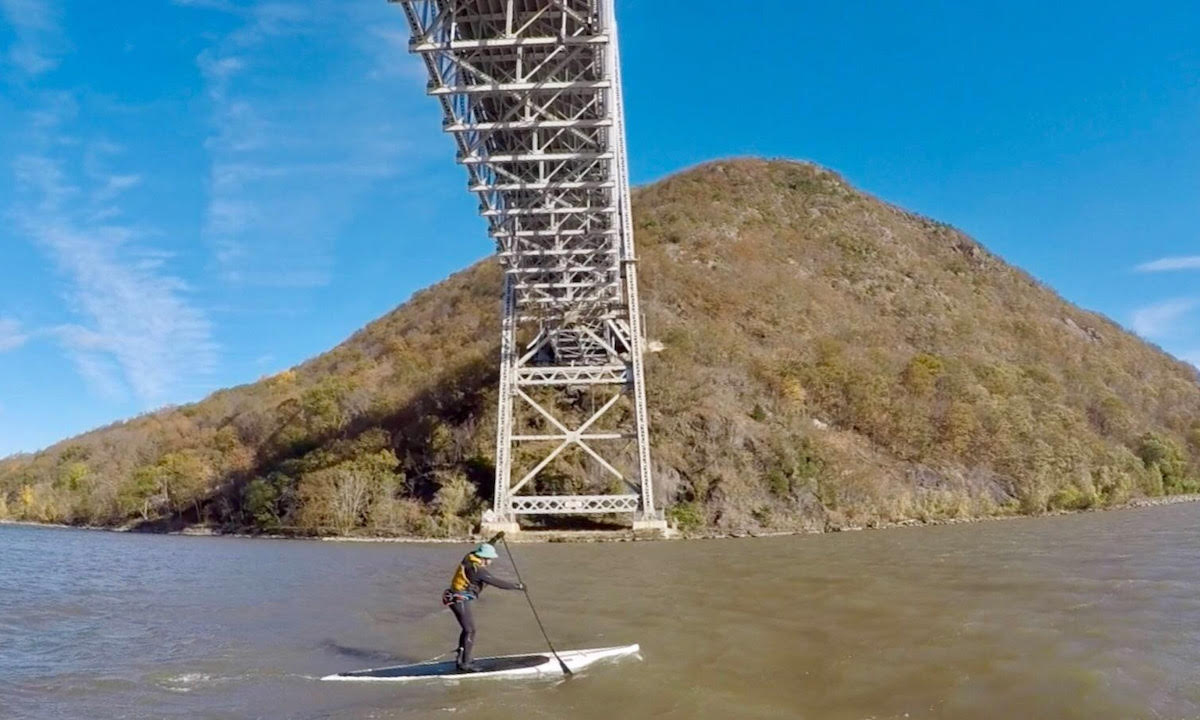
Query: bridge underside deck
x=531, y=94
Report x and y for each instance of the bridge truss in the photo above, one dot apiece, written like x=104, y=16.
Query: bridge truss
x=531, y=93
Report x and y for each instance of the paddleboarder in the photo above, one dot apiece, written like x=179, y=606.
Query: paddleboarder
x=468, y=582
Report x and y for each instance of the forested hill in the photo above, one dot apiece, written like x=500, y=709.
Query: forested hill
x=825, y=360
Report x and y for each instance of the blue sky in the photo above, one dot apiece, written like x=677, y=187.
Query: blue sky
x=197, y=193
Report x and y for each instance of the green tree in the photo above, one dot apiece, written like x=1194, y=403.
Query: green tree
x=72, y=476
x=260, y=500
x=455, y=502
x=687, y=516
x=136, y=494
x=186, y=479
x=1162, y=455
x=324, y=405
x=340, y=496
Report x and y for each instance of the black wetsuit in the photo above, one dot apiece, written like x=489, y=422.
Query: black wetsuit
x=469, y=580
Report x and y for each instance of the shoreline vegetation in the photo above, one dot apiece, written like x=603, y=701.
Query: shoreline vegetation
x=622, y=534
x=819, y=360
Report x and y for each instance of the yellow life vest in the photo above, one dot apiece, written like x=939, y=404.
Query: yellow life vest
x=460, y=582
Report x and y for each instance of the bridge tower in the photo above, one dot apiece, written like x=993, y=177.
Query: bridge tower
x=531, y=94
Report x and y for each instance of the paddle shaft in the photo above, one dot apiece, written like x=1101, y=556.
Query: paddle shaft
x=566, y=670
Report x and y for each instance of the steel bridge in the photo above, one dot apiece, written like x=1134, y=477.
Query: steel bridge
x=531, y=94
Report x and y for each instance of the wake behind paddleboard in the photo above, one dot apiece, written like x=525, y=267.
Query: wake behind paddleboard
x=507, y=666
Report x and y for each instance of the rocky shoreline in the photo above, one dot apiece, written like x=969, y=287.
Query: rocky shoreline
x=623, y=535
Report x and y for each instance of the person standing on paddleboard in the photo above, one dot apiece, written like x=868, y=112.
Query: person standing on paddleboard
x=466, y=585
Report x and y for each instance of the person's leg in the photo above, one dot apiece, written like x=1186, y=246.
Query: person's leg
x=466, y=639
x=456, y=608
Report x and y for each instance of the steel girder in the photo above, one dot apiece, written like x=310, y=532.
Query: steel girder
x=531, y=93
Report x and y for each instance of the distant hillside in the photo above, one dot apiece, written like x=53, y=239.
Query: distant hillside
x=829, y=360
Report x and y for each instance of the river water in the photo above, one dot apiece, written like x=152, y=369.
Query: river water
x=1086, y=616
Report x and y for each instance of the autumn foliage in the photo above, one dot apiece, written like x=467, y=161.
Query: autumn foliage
x=826, y=360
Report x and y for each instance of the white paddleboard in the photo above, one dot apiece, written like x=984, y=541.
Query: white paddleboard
x=506, y=666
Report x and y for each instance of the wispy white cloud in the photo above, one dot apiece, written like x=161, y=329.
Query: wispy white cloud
x=1158, y=320
x=137, y=331
x=1168, y=264
x=99, y=370
x=38, y=44
x=11, y=335
x=289, y=159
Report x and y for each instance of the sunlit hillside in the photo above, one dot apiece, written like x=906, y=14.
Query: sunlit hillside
x=827, y=360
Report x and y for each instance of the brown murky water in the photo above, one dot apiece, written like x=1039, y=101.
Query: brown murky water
x=1089, y=616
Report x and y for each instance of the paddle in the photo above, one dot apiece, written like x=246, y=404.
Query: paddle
x=566, y=670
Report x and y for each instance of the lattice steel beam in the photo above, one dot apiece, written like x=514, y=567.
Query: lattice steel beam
x=531, y=95
x=575, y=504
